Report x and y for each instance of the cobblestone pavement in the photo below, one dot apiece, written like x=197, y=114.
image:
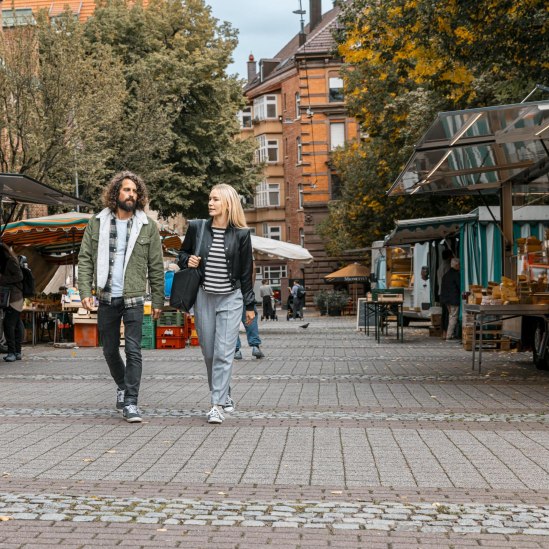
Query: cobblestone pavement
x=337, y=441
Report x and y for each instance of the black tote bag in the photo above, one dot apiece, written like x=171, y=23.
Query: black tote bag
x=187, y=282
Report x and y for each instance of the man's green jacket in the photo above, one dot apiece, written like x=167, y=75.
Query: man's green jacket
x=143, y=258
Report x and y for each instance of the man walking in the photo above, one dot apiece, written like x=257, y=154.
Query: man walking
x=120, y=251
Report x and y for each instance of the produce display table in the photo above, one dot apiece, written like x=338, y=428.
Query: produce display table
x=485, y=314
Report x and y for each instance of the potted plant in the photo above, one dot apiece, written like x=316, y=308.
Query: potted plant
x=336, y=301
x=319, y=300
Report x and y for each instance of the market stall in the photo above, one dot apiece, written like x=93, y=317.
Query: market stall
x=500, y=151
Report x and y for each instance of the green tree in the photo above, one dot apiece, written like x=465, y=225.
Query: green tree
x=406, y=60
x=175, y=56
x=58, y=102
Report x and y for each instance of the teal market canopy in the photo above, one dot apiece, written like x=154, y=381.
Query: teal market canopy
x=426, y=229
x=478, y=150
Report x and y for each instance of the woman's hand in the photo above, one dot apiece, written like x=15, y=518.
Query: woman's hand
x=193, y=261
x=250, y=315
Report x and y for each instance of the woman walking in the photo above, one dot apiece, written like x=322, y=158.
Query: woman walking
x=11, y=277
x=225, y=261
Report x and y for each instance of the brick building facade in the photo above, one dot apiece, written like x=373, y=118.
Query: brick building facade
x=296, y=107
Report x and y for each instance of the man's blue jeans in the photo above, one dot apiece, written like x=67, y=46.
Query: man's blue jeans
x=252, y=331
x=126, y=376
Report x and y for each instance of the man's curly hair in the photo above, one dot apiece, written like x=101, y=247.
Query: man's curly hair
x=112, y=191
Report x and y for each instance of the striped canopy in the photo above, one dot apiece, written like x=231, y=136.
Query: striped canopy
x=57, y=237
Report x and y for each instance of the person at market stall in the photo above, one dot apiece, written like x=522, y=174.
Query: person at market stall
x=11, y=278
x=443, y=268
x=120, y=251
x=226, y=267
x=450, y=296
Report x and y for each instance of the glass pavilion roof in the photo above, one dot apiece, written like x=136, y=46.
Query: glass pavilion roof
x=477, y=150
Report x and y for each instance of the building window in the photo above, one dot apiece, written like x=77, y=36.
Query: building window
x=267, y=195
x=245, y=117
x=335, y=186
x=18, y=17
x=335, y=92
x=300, y=196
x=272, y=231
x=299, y=150
x=265, y=107
x=273, y=273
x=337, y=135
x=298, y=105
x=267, y=149
x=252, y=230
x=301, y=237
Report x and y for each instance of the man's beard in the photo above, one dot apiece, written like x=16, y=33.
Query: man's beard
x=127, y=205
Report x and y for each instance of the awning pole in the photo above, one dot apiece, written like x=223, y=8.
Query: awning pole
x=506, y=212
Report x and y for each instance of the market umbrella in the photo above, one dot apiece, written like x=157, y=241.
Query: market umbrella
x=280, y=249
x=355, y=272
x=266, y=247
x=352, y=273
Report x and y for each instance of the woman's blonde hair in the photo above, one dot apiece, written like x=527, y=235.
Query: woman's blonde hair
x=231, y=201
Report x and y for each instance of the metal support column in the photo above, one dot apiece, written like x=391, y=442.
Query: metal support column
x=509, y=267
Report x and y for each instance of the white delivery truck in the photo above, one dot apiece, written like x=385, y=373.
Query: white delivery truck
x=404, y=267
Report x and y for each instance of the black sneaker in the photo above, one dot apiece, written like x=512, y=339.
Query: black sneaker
x=120, y=399
x=132, y=414
x=257, y=352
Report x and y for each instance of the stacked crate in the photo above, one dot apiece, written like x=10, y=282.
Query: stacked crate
x=171, y=331
x=492, y=337
x=148, y=338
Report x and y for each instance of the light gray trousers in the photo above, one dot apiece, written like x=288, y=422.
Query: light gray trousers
x=217, y=321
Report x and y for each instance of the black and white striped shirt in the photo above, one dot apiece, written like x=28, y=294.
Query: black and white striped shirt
x=216, y=278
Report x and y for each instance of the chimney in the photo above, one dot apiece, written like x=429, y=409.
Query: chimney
x=315, y=13
x=252, y=69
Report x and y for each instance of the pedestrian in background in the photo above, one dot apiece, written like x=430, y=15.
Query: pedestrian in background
x=11, y=277
x=266, y=295
x=226, y=266
x=450, y=296
x=298, y=297
x=120, y=251
x=252, y=331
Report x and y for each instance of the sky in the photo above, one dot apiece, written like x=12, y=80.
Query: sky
x=264, y=26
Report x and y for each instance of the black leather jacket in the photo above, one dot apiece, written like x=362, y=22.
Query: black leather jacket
x=238, y=251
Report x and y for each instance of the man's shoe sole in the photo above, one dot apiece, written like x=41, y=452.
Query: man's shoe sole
x=133, y=419
x=215, y=421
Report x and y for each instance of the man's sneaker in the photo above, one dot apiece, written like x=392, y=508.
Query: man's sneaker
x=256, y=351
x=120, y=399
x=18, y=356
x=215, y=416
x=238, y=355
x=10, y=357
x=229, y=405
x=132, y=414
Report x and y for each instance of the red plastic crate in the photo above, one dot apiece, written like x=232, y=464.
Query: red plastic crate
x=170, y=343
x=86, y=335
x=170, y=331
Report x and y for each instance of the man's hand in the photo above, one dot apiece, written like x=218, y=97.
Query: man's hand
x=250, y=315
x=156, y=313
x=87, y=303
